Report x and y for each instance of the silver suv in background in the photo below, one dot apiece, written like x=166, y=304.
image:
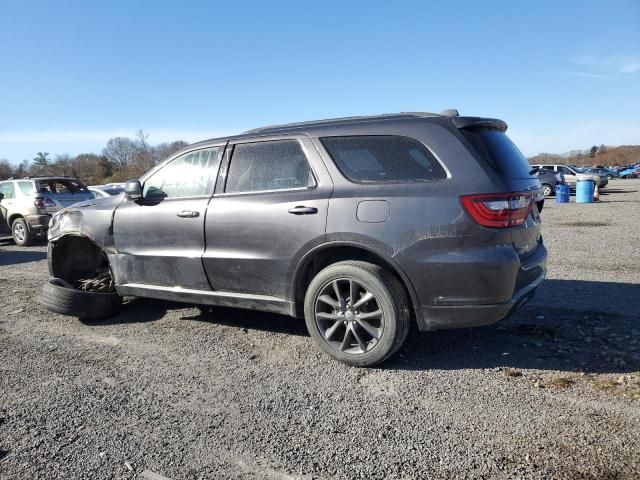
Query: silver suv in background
x=26, y=205
x=571, y=174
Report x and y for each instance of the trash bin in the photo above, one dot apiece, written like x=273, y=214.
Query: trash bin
x=584, y=191
x=562, y=193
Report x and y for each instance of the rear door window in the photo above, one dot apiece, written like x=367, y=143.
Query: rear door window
x=499, y=151
x=7, y=191
x=268, y=166
x=383, y=158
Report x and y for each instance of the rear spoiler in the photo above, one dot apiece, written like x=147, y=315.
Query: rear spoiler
x=469, y=123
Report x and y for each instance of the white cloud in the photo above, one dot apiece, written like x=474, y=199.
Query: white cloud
x=555, y=139
x=156, y=135
x=605, y=66
x=20, y=144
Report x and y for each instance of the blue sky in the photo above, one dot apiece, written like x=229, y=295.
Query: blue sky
x=564, y=75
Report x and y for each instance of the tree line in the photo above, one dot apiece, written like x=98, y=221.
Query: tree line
x=596, y=155
x=122, y=158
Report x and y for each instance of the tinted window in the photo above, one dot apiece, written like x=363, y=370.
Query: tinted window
x=60, y=185
x=190, y=175
x=264, y=166
x=497, y=149
x=383, y=158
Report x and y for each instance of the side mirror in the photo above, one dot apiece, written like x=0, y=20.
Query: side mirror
x=133, y=190
x=1, y=196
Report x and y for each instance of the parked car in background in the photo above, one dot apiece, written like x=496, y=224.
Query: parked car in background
x=572, y=174
x=548, y=180
x=607, y=172
x=360, y=225
x=102, y=191
x=26, y=205
x=629, y=172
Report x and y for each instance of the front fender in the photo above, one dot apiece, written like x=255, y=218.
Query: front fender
x=92, y=219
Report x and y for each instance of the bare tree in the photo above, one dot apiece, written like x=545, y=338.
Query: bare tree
x=120, y=151
x=6, y=170
x=164, y=150
x=62, y=165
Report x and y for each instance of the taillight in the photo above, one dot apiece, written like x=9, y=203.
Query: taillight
x=498, y=210
x=42, y=202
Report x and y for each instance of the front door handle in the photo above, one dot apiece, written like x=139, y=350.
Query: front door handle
x=188, y=214
x=302, y=210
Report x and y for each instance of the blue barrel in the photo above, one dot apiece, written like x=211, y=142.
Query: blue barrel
x=562, y=193
x=584, y=191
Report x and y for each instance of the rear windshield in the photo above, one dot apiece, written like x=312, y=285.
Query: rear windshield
x=60, y=185
x=383, y=158
x=497, y=149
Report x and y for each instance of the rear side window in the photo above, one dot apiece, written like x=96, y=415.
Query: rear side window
x=26, y=187
x=266, y=166
x=383, y=158
x=60, y=185
x=497, y=149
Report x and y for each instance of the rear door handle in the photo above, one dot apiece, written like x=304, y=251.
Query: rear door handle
x=188, y=214
x=302, y=210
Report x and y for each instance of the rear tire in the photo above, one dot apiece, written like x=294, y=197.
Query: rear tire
x=21, y=233
x=547, y=189
x=58, y=298
x=358, y=332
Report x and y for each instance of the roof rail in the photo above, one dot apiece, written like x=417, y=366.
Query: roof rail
x=329, y=121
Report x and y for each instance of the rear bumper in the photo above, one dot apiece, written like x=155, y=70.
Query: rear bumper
x=531, y=274
x=38, y=223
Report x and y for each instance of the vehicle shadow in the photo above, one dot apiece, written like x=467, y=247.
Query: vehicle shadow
x=591, y=327
x=138, y=310
x=15, y=257
x=251, y=320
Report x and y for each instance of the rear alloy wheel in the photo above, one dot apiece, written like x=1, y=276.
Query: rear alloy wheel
x=357, y=312
x=547, y=189
x=21, y=234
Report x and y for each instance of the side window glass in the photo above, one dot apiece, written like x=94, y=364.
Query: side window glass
x=26, y=187
x=265, y=166
x=383, y=158
x=190, y=175
x=7, y=190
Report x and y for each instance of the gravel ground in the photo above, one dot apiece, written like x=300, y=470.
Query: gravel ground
x=553, y=392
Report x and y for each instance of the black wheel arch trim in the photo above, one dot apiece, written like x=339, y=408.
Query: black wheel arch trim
x=388, y=259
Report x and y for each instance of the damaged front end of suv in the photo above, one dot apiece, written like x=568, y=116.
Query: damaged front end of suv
x=78, y=260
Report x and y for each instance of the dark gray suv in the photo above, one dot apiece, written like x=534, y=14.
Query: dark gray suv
x=361, y=225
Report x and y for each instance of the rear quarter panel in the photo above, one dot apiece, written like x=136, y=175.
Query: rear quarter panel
x=427, y=232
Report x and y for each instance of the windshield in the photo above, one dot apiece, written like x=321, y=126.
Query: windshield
x=499, y=151
x=60, y=185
